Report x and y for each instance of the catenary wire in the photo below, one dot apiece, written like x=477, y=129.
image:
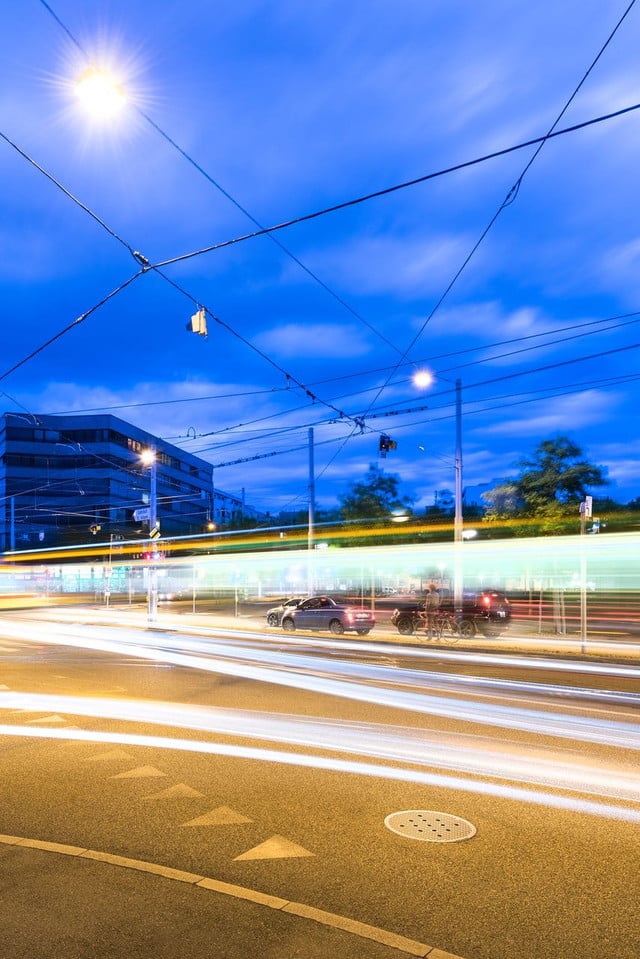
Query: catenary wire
x=510, y=197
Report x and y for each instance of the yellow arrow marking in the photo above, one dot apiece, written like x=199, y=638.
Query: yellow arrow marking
x=181, y=791
x=278, y=847
x=221, y=816
x=140, y=771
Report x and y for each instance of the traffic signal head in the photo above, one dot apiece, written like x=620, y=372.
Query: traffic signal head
x=386, y=444
x=198, y=323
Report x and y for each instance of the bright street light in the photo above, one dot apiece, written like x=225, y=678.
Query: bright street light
x=422, y=379
x=100, y=93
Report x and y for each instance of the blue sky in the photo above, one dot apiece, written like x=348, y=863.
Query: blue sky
x=291, y=108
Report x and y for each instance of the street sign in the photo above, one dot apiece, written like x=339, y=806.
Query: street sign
x=155, y=532
x=140, y=515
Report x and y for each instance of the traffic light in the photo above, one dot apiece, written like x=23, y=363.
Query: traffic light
x=198, y=323
x=386, y=444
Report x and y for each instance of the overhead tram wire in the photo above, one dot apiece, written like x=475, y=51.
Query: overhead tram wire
x=78, y=320
x=156, y=266
x=509, y=198
x=383, y=369
x=268, y=231
x=507, y=201
x=147, y=267
x=200, y=169
x=376, y=413
x=553, y=391
x=386, y=191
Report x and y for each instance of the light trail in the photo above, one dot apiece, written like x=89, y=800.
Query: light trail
x=302, y=673
x=439, y=653
x=471, y=754
x=518, y=794
x=266, y=653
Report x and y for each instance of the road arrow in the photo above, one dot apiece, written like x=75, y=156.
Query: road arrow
x=140, y=771
x=181, y=791
x=278, y=847
x=221, y=816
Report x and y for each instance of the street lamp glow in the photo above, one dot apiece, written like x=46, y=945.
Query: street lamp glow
x=100, y=93
x=422, y=379
x=148, y=457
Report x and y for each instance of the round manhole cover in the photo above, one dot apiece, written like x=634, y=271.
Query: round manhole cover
x=427, y=826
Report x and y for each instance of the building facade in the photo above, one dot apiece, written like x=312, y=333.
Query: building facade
x=66, y=478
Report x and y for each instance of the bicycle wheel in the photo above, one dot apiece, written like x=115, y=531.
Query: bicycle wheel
x=449, y=631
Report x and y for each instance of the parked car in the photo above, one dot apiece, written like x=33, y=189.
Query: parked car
x=487, y=611
x=275, y=614
x=322, y=612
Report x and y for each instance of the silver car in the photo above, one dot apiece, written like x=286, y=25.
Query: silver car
x=322, y=612
x=275, y=614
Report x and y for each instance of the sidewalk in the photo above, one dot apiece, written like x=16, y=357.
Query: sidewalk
x=76, y=903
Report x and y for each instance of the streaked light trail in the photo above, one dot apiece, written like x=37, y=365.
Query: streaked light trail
x=499, y=790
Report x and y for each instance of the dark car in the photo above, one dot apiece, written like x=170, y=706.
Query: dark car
x=322, y=612
x=486, y=611
x=275, y=614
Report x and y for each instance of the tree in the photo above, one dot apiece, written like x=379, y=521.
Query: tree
x=549, y=485
x=375, y=497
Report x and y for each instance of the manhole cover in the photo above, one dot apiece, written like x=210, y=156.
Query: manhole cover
x=427, y=826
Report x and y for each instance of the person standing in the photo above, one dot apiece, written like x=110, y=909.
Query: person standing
x=431, y=607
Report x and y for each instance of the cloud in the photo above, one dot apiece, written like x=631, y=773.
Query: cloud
x=316, y=340
x=404, y=265
x=561, y=414
x=620, y=266
x=490, y=320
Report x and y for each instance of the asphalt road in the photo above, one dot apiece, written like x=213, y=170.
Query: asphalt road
x=551, y=870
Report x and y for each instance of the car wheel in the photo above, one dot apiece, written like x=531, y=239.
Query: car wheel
x=336, y=627
x=467, y=628
x=288, y=625
x=362, y=632
x=272, y=619
x=405, y=626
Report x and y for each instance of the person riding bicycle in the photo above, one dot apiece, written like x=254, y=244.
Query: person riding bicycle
x=431, y=607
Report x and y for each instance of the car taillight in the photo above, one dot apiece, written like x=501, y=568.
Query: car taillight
x=486, y=600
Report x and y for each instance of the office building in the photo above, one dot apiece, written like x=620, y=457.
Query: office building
x=64, y=479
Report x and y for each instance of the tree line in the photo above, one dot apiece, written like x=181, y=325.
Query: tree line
x=543, y=496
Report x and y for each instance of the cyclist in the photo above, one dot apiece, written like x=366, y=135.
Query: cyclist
x=431, y=607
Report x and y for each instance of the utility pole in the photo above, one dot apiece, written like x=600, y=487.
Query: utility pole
x=457, y=520
x=150, y=459
x=586, y=512
x=312, y=499
x=153, y=526
x=312, y=489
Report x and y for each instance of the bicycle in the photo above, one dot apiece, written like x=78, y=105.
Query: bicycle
x=444, y=626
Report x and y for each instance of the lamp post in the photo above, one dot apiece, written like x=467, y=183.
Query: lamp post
x=424, y=378
x=150, y=459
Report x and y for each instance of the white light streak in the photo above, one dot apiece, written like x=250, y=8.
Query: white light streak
x=568, y=803
x=318, y=674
